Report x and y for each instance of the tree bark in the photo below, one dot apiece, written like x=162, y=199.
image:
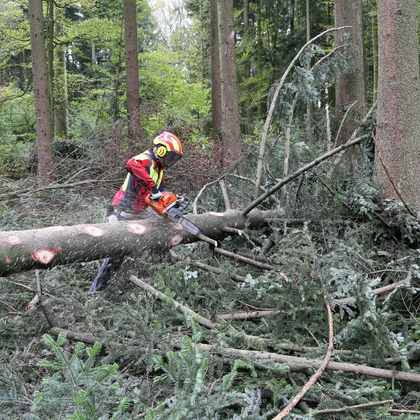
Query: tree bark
x=247, y=73
x=232, y=147
x=261, y=104
x=216, y=93
x=314, y=363
x=50, y=20
x=41, y=93
x=351, y=86
x=45, y=248
x=132, y=70
x=271, y=110
x=60, y=88
x=398, y=114
x=309, y=105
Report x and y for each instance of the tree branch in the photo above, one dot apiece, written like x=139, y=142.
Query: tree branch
x=303, y=361
x=273, y=103
x=300, y=171
x=351, y=407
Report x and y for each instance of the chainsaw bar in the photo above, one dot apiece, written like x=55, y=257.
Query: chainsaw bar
x=171, y=207
x=175, y=215
x=191, y=227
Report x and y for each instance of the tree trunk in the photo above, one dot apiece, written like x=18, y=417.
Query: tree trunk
x=374, y=35
x=398, y=113
x=261, y=106
x=247, y=73
x=216, y=93
x=292, y=15
x=132, y=70
x=50, y=60
x=60, y=91
x=309, y=106
x=41, y=93
x=232, y=148
x=350, y=87
x=44, y=248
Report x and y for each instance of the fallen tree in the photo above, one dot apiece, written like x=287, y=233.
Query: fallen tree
x=57, y=245
x=44, y=248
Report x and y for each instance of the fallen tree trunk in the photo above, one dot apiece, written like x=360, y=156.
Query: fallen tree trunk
x=314, y=363
x=291, y=361
x=45, y=248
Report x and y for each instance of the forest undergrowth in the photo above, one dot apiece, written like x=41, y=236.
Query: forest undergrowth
x=207, y=336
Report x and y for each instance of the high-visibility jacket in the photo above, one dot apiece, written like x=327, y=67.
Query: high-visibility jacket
x=145, y=173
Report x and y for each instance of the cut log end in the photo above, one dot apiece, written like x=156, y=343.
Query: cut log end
x=136, y=228
x=93, y=230
x=45, y=255
x=176, y=239
x=13, y=240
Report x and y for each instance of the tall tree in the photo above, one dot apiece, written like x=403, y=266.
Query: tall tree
x=309, y=107
x=350, y=87
x=232, y=148
x=216, y=93
x=132, y=70
x=398, y=113
x=60, y=82
x=50, y=57
x=41, y=92
x=259, y=55
x=247, y=72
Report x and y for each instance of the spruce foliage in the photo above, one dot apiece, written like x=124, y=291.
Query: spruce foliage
x=137, y=356
x=152, y=361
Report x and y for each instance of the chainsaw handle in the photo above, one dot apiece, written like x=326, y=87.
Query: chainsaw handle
x=147, y=198
x=185, y=200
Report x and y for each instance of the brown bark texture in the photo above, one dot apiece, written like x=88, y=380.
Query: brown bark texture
x=45, y=248
x=216, y=94
x=232, y=147
x=60, y=86
x=132, y=72
x=41, y=92
x=247, y=75
x=350, y=87
x=398, y=111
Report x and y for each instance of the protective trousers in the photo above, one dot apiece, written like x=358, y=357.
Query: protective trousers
x=111, y=264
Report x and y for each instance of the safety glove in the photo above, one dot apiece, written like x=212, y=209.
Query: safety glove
x=155, y=194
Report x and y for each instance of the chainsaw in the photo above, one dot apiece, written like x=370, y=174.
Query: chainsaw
x=171, y=207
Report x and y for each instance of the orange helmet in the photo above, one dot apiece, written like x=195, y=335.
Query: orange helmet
x=169, y=148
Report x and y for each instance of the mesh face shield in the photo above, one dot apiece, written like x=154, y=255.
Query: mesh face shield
x=171, y=158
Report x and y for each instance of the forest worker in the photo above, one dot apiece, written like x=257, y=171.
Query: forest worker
x=145, y=174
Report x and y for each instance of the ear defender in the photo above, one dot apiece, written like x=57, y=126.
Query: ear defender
x=161, y=151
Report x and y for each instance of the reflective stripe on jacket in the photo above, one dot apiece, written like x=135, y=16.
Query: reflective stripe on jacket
x=145, y=174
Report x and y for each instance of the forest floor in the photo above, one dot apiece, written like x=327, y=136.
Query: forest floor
x=202, y=336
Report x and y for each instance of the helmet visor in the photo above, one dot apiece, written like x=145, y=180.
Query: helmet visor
x=171, y=158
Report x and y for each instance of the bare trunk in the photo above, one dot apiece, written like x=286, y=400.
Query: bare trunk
x=41, y=93
x=132, y=71
x=398, y=114
x=309, y=106
x=232, y=148
x=216, y=92
x=350, y=87
x=247, y=74
x=60, y=90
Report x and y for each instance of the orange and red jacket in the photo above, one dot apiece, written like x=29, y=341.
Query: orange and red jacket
x=145, y=173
